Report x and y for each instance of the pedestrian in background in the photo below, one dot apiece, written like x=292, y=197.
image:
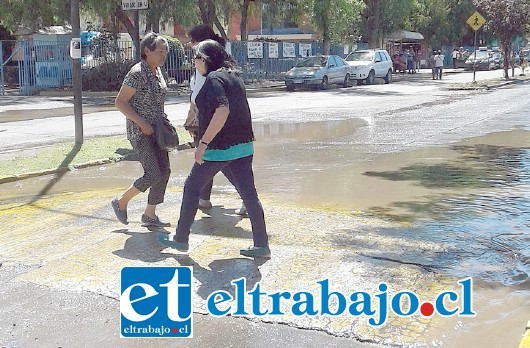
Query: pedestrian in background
x=455, y=56
x=200, y=33
x=439, y=64
x=432, y=63
x=226, y=142
x=141, y=99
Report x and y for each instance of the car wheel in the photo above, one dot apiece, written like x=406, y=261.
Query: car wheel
x=325, y=83
x=371, y=77
x=346, y=82
x=290, y=88
x=388, y=77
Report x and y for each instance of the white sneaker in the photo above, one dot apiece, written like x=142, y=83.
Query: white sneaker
x=205, y=203
x=242, y=210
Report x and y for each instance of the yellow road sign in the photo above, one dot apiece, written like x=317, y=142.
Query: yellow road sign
x=476, y=21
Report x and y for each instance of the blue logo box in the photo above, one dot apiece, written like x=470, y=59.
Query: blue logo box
x=156, y=302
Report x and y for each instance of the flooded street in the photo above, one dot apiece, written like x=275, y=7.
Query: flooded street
x=432, y=201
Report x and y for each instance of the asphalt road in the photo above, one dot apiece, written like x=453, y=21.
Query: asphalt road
x=62, y=253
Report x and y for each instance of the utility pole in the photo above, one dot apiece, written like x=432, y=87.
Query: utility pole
x=76, y=75
x=136, y=38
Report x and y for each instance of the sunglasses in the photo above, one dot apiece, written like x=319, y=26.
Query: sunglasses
x=197, y=56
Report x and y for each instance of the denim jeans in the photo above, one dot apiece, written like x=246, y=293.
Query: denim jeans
x=207, y=189
x=240, y=171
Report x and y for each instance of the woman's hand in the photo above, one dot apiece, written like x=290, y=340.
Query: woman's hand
x=199, y=153
x=146, y=128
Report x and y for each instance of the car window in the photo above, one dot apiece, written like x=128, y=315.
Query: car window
x=360, y=56
x=338, y=61
x=312, y=62
x=379, y=57
x=480, y=54
x=331, y=61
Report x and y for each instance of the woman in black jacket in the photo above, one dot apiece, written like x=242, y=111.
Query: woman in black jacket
x=226, y=143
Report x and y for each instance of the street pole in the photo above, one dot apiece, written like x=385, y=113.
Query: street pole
x=136, y=38
x=76, y=75
x=475, y=57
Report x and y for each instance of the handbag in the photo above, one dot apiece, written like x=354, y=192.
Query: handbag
x=166, y=134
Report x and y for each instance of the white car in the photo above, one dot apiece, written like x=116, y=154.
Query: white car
x=366, y=65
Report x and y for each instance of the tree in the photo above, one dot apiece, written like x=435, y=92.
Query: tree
x=34, y=14
x=382, y=17
x=506, y=19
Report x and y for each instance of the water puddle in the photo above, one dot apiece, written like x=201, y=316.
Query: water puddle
x=471, y=198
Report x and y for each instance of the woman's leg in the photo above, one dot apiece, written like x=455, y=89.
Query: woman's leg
x=199, y=176
x=244, y=180
x=145, y=147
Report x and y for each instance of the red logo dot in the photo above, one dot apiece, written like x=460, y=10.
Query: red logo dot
x=427, y=309
x=175, y=330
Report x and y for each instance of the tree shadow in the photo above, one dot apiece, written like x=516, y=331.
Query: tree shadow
x=61, y=170
x=478, y=166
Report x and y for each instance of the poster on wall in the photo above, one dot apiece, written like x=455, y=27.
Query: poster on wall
x=255, y=49
x=305, y=49
x=289, y=50
x=273, y=50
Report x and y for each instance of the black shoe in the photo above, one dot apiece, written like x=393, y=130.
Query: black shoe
x=120, y=214
x=256, y=252
x=148, y=222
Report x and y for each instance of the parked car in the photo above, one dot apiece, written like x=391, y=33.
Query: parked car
x=481, y=59
x=366, y=65
x=498, y=60
x=318, y=71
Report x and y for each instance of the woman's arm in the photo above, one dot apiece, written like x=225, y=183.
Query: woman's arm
x=216, y=124
x=122, y=103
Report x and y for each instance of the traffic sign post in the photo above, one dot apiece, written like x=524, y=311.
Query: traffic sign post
x=476, y=21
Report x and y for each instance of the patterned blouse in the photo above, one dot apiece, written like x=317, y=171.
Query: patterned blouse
x=141, y=78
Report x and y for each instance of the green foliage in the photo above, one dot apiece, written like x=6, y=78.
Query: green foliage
x=506, y=19
x=107, y=76
x=33, y=13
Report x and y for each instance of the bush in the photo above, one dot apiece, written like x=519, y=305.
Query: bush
x=11, y=75
x=107, y=76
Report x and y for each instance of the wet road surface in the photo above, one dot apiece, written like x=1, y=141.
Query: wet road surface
x=417, y=197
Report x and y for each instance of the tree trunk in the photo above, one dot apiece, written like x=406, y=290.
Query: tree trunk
x=220, y=28
x=205, y=13
x=372, y=17
x=244, y=18
x=131, y=29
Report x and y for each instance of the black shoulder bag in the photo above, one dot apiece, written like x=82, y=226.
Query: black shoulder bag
x=165, y=133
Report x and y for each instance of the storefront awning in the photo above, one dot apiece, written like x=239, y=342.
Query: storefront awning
x=405, y=35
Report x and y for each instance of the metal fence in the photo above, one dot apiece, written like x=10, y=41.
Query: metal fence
x=47, y=64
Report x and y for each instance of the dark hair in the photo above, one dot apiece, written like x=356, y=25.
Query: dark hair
x=203, y=32
x=150, y=41
x=214, y=55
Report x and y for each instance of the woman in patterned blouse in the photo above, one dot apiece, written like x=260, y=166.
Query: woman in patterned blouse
x=141, y=99
x=226, y=142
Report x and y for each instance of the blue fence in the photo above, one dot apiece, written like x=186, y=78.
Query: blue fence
x=47, y=64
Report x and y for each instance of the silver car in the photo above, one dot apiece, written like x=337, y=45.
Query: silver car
x=318, y=71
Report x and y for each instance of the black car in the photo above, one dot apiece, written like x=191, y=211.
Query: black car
x=480, y=60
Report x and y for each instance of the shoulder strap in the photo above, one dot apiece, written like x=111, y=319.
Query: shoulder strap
x=151, y=88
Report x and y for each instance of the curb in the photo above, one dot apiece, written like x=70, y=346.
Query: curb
x=62, y=170
x=525, y=341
